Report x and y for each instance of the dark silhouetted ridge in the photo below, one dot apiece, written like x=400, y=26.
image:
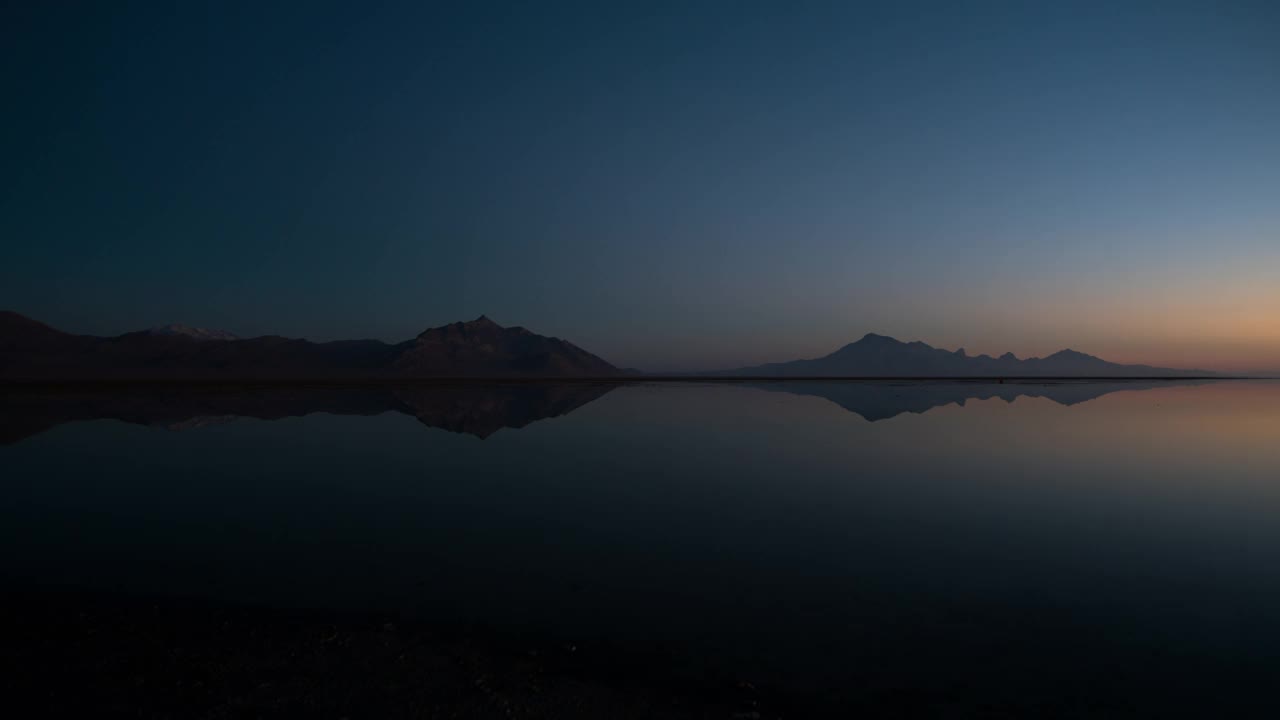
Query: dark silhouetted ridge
x=195, y=333
x=479, y=348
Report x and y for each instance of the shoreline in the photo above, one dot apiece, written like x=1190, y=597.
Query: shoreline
x=125, y=382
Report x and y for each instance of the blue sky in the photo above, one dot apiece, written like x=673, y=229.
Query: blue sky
x=677, y=185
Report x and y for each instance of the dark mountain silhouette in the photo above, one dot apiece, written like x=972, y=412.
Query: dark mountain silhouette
x=195, y=333
x=480, y=348
x=22, y=333
x=479, y=409
x=881, y=400
x=882, y=356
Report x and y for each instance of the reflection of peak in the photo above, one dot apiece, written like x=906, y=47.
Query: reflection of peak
x=483, y=411
x=474, y=409
x=883, y=400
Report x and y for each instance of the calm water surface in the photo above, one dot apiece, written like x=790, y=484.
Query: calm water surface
x=1109, y=543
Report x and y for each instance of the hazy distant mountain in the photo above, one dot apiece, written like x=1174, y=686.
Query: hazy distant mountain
x=480, y=348
x=881, y=356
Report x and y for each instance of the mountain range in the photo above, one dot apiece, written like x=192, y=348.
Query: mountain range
x=479, y=348
x=882, y=356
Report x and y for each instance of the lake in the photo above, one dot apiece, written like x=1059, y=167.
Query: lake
x=944, y=548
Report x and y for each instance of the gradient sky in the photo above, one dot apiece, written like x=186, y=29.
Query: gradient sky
x=672, y=185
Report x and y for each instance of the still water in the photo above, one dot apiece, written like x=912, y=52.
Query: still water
x=1114, y=545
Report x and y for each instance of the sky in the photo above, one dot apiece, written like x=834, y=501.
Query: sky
x=671, y=185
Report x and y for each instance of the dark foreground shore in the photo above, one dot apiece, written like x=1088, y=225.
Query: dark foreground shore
x=73, y=654
x=68, y=654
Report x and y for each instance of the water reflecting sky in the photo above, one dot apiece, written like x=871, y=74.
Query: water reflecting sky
x=804, y=533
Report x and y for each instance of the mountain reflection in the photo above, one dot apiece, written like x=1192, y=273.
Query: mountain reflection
x=474, y=409
x=478, y=409
x=881, y=400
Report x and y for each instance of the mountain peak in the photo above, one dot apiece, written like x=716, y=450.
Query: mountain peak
x=483, y=347
x=870, y=341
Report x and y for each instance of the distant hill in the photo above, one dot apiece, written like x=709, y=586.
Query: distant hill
x=882, y=356
x=480, y=348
